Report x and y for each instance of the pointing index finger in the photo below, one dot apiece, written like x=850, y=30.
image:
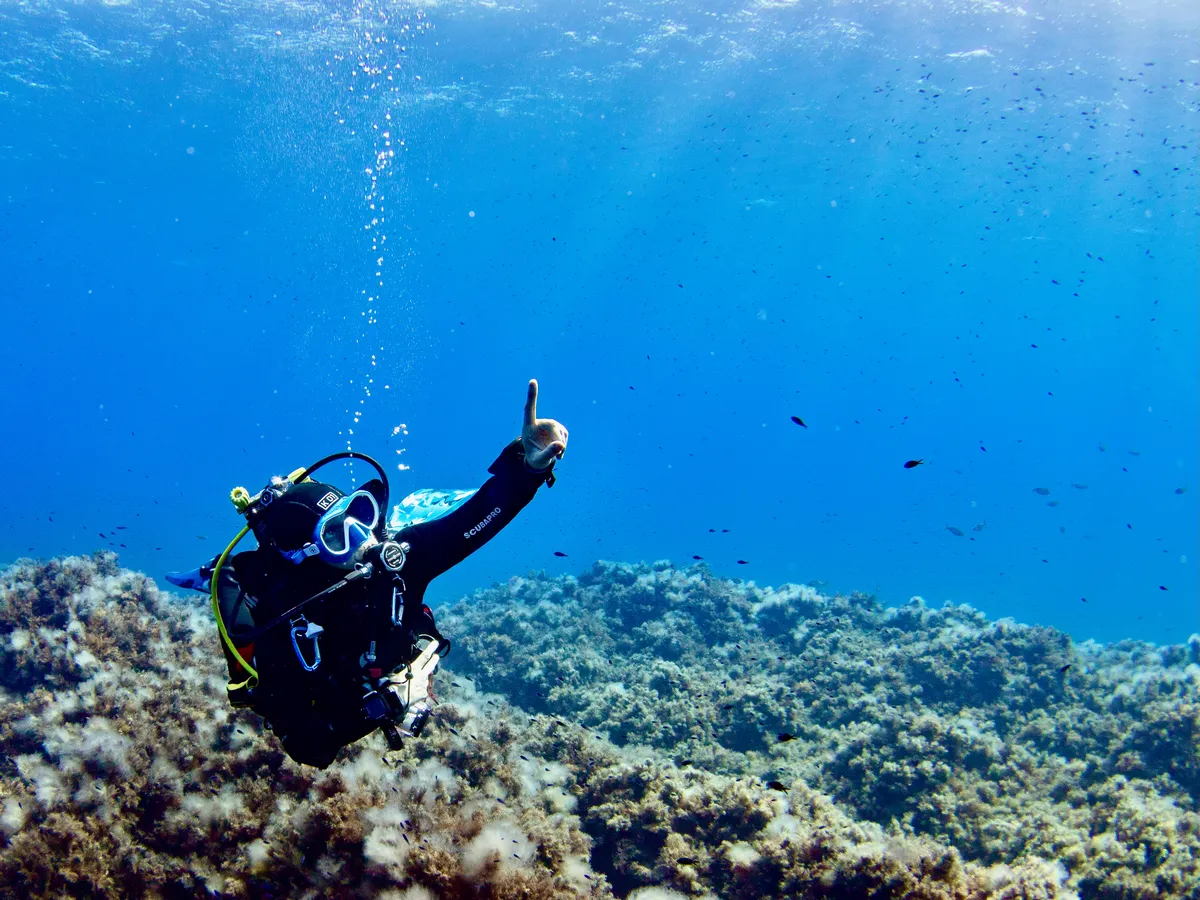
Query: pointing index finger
x=531, y=404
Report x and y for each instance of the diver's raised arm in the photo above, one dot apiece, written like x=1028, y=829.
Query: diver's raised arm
x=523, y=466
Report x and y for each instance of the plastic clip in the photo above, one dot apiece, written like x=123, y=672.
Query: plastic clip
x=398, y=602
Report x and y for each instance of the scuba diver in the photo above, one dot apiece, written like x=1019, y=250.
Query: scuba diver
x=323, y=625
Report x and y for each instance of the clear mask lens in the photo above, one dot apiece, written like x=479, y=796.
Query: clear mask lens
x=348, y=523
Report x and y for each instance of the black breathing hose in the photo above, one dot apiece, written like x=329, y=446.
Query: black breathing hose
x=381, y=525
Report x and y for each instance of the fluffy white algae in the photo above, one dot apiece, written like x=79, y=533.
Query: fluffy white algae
x=615, y=734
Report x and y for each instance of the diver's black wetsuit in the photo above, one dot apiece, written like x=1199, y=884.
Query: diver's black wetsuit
x=315, y=713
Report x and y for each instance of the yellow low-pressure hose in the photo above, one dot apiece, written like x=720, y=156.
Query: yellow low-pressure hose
x=216, y=607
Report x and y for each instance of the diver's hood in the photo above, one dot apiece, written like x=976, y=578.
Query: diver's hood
x=288, y=521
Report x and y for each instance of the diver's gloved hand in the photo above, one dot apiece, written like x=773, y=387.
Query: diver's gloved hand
x=545, y=440
x=198, y=579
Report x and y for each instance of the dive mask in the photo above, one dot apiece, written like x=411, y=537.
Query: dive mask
x=342, y=530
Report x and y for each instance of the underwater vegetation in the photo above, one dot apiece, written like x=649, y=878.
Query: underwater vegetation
x=639, y=731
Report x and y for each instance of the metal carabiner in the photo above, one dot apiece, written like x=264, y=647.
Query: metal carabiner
x=303, y=628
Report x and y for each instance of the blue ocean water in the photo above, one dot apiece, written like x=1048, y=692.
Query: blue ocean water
x=236, y=238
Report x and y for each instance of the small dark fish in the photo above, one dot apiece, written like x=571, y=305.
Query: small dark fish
x=122, y=527
x=685, y=861
x=1043, y=491
x=201, y=537
x=1135, y=452
x=1052, y=503
x=1083, y=599
x=1078, y=486
x=913, y=463
x=103, y=535
x=743, y=562
x=1064, y=668
x=799, y=421
x=684, y=762
x=954, y=531
x=1130, y=527
x=777, y=786
x=452, y=731
x=1136, y=172
x=405, y=836
x=524, y=757
x=1180, y=490
x=727, y=706
x=697, y=557
x=980, y=526
x=784, y=737
x=1162, y=587
x=559, y=553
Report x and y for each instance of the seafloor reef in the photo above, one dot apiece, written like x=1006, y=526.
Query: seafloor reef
x=615, y=734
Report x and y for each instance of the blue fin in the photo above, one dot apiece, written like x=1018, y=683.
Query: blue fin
x=198, y=579
x=424, y=506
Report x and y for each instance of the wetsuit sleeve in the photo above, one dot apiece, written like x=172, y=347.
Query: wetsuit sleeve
x=441, y=543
